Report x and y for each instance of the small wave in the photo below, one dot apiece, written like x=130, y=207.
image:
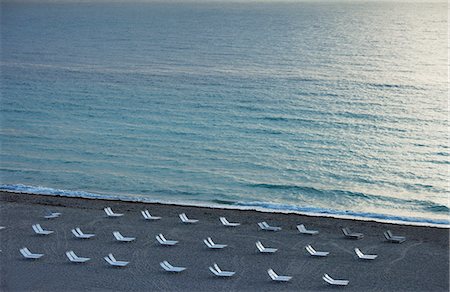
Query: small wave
x=264, y=206
x=331, y=212
x=423, y=205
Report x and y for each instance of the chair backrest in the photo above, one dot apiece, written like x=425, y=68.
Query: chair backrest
x=328, y=279
x=217, y=268
x=159, y=239
x=162, y=237
x=109, y=260
x=74, y=255
x=359, y=252
x=260, y=246
x=117, y=235
x=69, y=255
x=36, y=229
x=164, y=266
x=112, y=257
x=386, y=235
x=24, y=253
x=346, y=231
x=301, y=228
x=272, y=274
x=214, y=271
x=388, y=232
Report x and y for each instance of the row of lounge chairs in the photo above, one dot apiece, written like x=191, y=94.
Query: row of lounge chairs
x=215, y=269
x=263, y=225
x=208, y=242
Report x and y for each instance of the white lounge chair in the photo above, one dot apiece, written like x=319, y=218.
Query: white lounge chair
x=120, y=237
x=210, y=243
x=365, y=256
x=110, y=259
x=169, y=268
x=148, y=216
x=303, y=230
x=79, y=234
x=52, y=215
x=393, y=238
x=332, y=281
x=2, y=227
x=110, y=213
x=226, y=223
x=276, y=277
x=218, y=272
x=74, y=258
x=39, y=230
x=352, y=235
x=29, y=255
x=163, y=241
x=263, y=249
x=315, y=253
x=265, y=226
x=186, y=220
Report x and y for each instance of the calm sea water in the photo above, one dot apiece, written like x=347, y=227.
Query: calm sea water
x=336, y=107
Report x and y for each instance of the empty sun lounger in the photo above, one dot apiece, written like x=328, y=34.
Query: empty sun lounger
x=332, y=281
x=2, y=227
x=186, y=220
x=265, y=226
x=169, y=268
x=52, y=215
x=315, y=253
x=209, y=243
x=352, y=235
x=276, y=277
x=393, y=238
x=74, y=258
x=111, y=214
x=364, y=256
x=29, y=255
x=303, y=230
x=115, y=263
x=218, y=272
x=79, y=234
x=148, y=216
x=163, y=241
x=263, y=249
x=120, y=237
x=39, y=230
x=226, y=223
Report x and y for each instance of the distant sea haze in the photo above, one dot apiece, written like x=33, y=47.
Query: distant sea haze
x=332, y=108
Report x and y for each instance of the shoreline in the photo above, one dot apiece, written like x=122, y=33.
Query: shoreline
x=400, y=267
x=407, y=221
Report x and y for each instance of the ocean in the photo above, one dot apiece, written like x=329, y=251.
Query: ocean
x=334, y=108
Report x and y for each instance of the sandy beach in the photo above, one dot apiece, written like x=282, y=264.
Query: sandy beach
x=419, y=264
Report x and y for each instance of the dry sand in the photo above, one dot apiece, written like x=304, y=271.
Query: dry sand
x=419, y=264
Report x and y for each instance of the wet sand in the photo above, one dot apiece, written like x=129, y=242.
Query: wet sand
x=419, y=264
